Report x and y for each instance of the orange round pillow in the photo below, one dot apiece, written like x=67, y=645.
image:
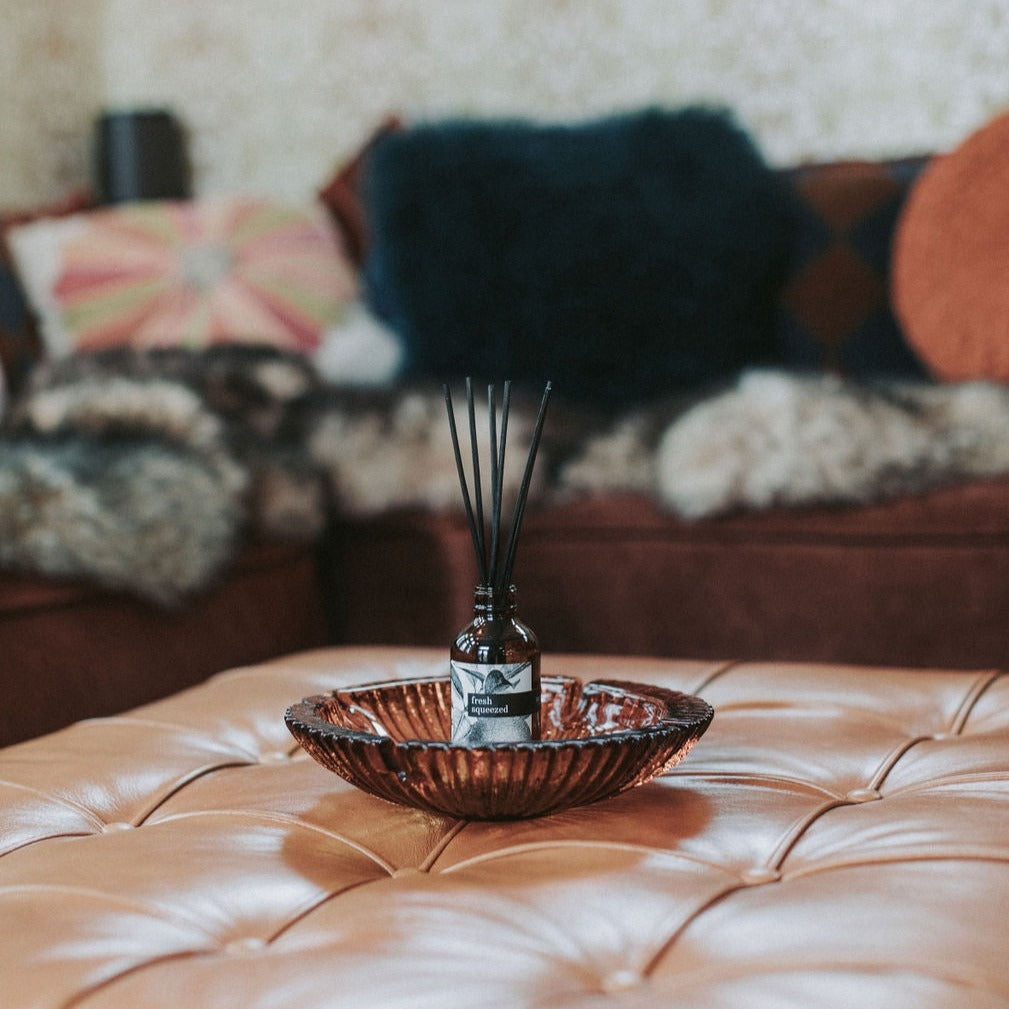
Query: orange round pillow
x=950, y=270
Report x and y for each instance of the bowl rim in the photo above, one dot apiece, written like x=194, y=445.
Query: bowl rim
x=678, y=712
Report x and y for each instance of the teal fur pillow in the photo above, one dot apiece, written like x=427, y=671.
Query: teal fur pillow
x=623, y=258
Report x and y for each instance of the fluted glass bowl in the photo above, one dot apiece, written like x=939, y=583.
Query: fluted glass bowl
x=598, y=739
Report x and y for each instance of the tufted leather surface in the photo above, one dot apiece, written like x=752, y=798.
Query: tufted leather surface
x=840, y=837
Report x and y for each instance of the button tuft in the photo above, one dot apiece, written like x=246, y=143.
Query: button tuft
x=621, y=980
x=406, y=870
x=863, y=795
x=758, y=874
x=116, y=825
x=249, y=944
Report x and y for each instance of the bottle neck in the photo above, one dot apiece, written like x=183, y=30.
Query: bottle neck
x=489, y=601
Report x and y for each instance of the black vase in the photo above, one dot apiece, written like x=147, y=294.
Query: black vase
x=140, y=155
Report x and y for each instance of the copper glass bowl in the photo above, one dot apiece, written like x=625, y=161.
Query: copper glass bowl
x=600, y=738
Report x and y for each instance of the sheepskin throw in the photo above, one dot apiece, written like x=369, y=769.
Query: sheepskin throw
x=777, y=439
x=140, y=470
x=144, y=470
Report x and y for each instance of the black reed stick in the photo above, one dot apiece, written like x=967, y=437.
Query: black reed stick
x=495, y=483
x=499, y=452
x=492, y=571
x=462, y=483
x=520, y=503
x=477, y=481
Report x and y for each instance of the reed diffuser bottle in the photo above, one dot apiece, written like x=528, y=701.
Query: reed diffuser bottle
x=495, y=663
x=495, y=659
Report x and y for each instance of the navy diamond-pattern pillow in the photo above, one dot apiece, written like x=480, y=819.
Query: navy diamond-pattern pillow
x=834, y=310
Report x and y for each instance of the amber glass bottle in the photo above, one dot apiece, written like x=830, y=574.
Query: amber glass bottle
x=495, y=662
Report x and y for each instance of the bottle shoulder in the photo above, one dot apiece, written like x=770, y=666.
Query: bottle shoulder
x=495, y=641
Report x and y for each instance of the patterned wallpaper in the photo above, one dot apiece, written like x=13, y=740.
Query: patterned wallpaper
x=273, y=100
x=50, y=84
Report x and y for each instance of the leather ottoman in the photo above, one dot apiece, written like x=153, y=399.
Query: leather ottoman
x=840, y=837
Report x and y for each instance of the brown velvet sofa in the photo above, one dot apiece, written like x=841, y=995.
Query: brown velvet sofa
x=920, y=581
x=71, y=650
x=915, y=582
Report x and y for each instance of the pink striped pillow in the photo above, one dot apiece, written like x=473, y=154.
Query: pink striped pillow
x=185, y=273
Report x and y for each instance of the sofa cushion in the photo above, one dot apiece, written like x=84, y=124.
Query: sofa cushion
x=341, y=194
x=834, y=307
x=950, y=256
x=20, y=345
x=190, y=273
x=621, y=258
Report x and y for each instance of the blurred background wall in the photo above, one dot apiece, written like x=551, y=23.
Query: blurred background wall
x=274, y=96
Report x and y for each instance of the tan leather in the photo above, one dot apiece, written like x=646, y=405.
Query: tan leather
x=838, y=838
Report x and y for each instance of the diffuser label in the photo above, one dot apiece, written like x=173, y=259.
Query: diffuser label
x=492, y=703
